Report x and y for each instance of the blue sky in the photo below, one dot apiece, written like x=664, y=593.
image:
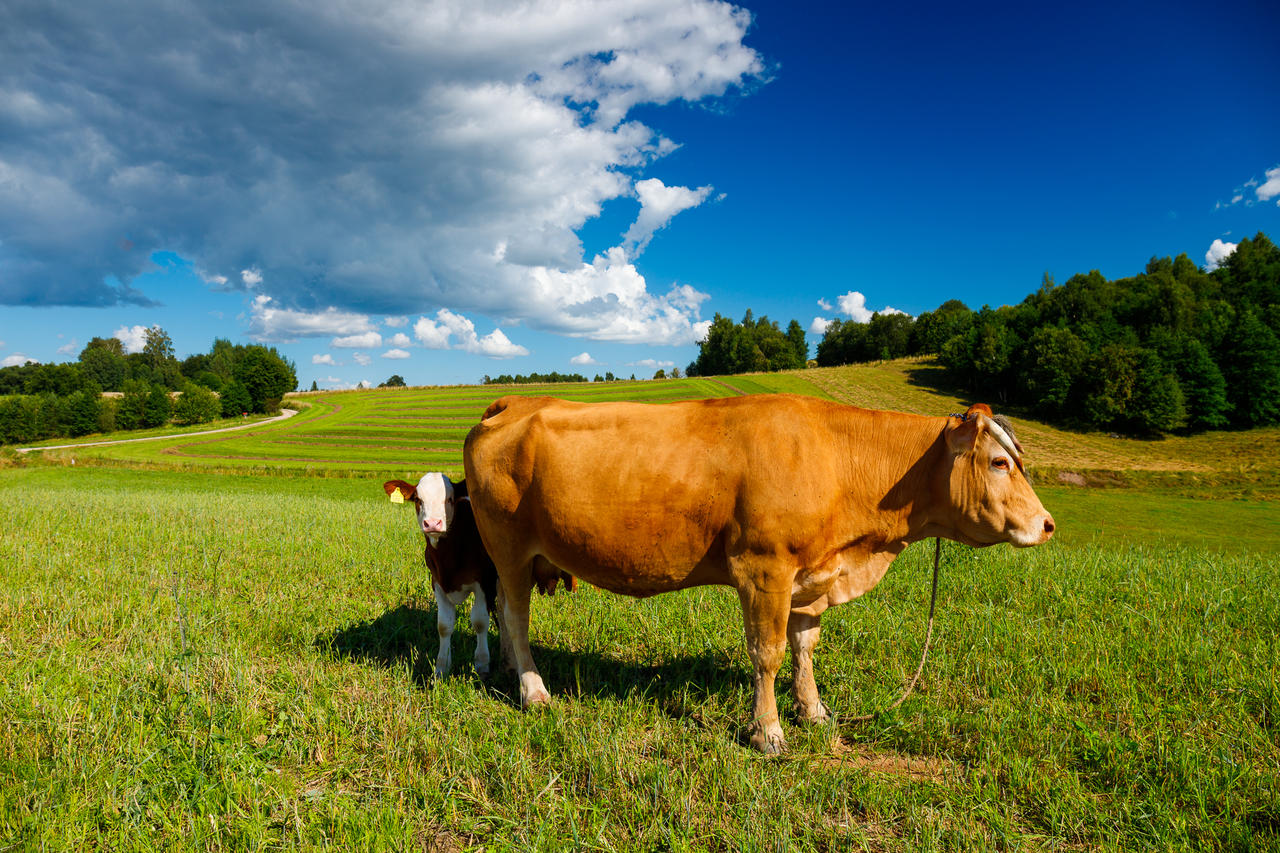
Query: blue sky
x=455, y=189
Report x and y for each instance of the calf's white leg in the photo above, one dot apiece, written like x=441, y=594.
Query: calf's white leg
x=446, y=618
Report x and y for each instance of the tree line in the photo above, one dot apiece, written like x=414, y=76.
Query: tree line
x=39, y=401
x=1172, y=348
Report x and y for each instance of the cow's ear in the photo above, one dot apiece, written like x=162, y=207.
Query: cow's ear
x=978, y=409
x=399, y=490
x=962, y=435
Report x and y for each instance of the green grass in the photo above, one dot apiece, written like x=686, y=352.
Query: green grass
x=243, y=662
x=226, y=642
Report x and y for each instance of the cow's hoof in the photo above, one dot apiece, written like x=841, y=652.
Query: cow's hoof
x=535, y=699
x=483, y=673
x=770, y=743
x=814, y=713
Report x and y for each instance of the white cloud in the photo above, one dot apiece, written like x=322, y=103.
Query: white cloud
x=17, y=360
x=825, y=305
x=395, y=353
x=854, y=304
x=291, y=179
x=1271, y=188
x=269, y=324
x=68, y=348
x=819, y=326
x=651, y=363
x=366, y=340
x=362, y=359
x=396, y=322
x=658, y=204
x=583, y=358
x=399, y=339
x=324, y=358
x=1218, y=252
x=607, y=300
x=134, y=338
x=453, y=331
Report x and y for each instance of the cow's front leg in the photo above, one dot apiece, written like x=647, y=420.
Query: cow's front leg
x=765, y=620
x=446, y=618
x=480, y=624
x=802, y=634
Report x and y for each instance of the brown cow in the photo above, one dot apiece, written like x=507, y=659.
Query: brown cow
x=797, y=503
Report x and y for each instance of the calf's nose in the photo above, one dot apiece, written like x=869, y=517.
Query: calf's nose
x=1048, y=525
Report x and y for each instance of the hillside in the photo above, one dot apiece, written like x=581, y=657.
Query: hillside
x=375, y=431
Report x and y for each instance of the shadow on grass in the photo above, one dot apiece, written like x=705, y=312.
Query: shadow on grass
x=406, y=636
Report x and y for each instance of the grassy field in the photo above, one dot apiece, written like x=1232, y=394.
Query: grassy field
x=191, y=658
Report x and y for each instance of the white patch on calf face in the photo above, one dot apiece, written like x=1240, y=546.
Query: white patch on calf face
x=435, y=505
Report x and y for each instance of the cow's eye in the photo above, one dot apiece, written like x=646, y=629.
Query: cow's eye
x=1001, y=463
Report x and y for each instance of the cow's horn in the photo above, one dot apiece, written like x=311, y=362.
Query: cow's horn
x=1003, y=437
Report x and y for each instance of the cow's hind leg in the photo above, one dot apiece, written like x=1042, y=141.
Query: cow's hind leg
x=802, y=634
x=517, y=585
x=480, y=624
x=765, y=620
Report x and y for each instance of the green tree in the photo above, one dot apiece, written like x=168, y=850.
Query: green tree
x=661, y=374
x=265, y=375
x=315, y=387
x=132, y=406
x=396, y=381
x=82, y=412
x=196, y=405
x=158, y=407
x=235, y=400
x=1251, y=368
x=1054, y=361
x=102, y=361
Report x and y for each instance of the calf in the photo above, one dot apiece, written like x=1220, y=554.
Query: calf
x=459, y=564
x=456, y=558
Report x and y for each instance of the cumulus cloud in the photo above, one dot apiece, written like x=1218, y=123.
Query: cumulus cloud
x=1271, y=187
x=395, y=353
x=133, y=338
x=367, y=340
x=362, y=359
x=399, y=339
x=323, y=358
x=380, y=156
x=583, y=358
x=270, y=324
x=658, y=204
x=853, y=305
x=652, y=364
x=17, y=360
x=70, y=347
x=1218, y=252
x=1253, y=191
x=453, y=331
x=397, y=322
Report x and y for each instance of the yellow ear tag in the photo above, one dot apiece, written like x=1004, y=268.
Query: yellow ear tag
x=396, y=497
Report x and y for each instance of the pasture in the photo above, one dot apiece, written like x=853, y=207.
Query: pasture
x=191, y=656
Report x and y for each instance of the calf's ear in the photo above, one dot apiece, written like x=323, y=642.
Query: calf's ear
x=399, y=490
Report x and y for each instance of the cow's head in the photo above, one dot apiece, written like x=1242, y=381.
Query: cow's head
x=433, y=499
x=990, y=494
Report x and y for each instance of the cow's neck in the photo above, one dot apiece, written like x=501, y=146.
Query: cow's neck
x=895, y=464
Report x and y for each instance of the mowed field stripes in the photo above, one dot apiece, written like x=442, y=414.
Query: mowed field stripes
x=402, y=430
